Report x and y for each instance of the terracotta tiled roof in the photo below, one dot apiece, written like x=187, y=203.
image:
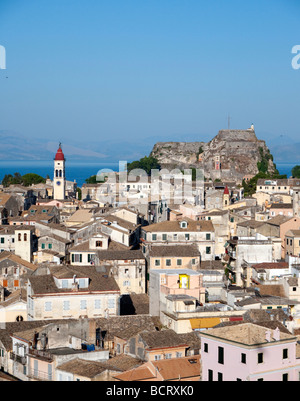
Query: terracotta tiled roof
x=174, y=226
x=271, y=265
x=174, y=251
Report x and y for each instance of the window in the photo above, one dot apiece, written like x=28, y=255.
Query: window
x=205, y=347
x=98, y=304
x=65, y=284
x=243, y=358
x=76, y=257
x=208, y=250
x=187, y=237
x=260, y=357
x=99, y=244
x=285, y=353
x=154, y=237
x=157, y=357
x=164, y=237
x=178, y=354
x=179, y=262
x=2, y=240
x=66, y=305
x=285, y=377
x=184, y=281
x=111, y=303
x=193, y=261
x=82, y=283
x=210, y=375
x=168, y=356
x=48, y=306
x=49, y=246
x=168, y=262
x=220, y=377
x=16, y=283
x=43, y=246
x=157, y=262
x=126, y=283
x=25, y=237
x=208, y=237
x=83, y=305
x=221, y=355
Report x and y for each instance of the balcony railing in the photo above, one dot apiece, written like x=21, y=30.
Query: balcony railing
x=38, y=375
x=41, y=354
x=17, y=358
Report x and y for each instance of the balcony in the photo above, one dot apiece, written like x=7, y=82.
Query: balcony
x=17, y=358
x=43, y=355
x=37, y=375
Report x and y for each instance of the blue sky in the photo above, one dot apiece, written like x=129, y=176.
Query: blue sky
x=148, y=70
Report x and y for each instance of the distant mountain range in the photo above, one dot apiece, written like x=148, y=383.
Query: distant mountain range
x=15, y=146
x=284, y=149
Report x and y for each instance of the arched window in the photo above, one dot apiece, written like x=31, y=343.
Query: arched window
x=25, y=237
x=56, y=173
x=19, y=237
x=60, y=173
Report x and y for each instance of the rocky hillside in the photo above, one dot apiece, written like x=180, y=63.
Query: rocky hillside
x=238, y=153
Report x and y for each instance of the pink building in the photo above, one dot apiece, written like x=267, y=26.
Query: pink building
x=186, y=284
x=282, y=209
x=249, y=352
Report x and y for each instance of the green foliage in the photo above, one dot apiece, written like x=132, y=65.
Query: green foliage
x=146, y=163
x=96, y=179
x=79, y=192
x=263, y=165
x=91, y=180
x=26, y=180
x=31, y=179
x=296, y=172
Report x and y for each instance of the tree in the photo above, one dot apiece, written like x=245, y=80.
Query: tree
x=79, y=192
x=31, y=179
x=146, y=163
x=26, y=180
x=96, y=179
x=296, y=172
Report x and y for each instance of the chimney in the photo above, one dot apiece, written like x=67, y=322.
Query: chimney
x=75, y=285
x=268, y=336
x=276, y=334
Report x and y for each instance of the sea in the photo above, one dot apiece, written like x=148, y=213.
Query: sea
x=80, y=171
x=75, y=170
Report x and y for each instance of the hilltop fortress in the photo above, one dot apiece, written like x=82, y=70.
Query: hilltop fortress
x=231, y=155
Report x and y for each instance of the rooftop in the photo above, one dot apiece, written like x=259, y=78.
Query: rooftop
x=247, y=334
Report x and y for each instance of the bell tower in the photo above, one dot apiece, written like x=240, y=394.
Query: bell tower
x=59, y=181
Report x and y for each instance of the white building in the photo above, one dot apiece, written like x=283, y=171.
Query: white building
x=72, y=293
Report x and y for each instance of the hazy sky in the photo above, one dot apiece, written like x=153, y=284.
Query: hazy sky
x=95, y=70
